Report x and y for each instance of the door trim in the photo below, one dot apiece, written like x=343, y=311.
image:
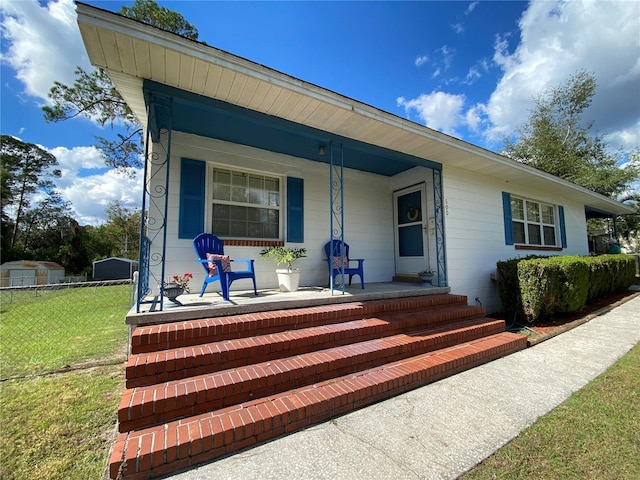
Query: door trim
x=411, y=264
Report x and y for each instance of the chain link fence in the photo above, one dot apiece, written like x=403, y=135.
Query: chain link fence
x=49, y=328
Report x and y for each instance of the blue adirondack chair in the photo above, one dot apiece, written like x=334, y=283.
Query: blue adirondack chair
x=210, y=254
x=334, y=260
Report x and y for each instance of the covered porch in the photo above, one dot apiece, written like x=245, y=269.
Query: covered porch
x=191, y=306
x=320, y=195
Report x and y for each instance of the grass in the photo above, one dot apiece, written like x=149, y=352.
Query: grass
x=59, y=426
x=592, y=435
x=45, y=330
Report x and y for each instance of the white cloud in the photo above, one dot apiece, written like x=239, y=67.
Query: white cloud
x=447, y=55
x=457, y=27
x=557, y=40
x=78, y=158
x=90, y=188
x=43, y=43
x=438, y=110
x=471, y=7
x=91, y=195
x=472, y=75
x=421, y=60
x=474, y=117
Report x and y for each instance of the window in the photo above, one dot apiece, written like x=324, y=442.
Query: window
x=533, y=223
x=245, y=205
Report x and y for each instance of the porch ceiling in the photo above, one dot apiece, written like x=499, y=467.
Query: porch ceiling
x=301, y=115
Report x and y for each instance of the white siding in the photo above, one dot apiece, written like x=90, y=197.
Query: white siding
x=367, y=205
x=475, y=232
x=472, y=207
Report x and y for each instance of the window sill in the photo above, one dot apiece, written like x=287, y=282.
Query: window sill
x=251, y=243
x=538, y=247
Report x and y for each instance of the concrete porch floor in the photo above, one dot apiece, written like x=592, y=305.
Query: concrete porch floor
x=243, y=301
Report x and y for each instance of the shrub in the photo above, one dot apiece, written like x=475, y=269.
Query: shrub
x=509, y=286
x=533, y=288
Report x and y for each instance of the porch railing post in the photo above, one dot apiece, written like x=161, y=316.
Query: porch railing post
x=153, y=232
x=336, y=196
x=438, y=202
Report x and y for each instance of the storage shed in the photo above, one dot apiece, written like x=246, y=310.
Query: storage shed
x=30, y=272
x=114, y=268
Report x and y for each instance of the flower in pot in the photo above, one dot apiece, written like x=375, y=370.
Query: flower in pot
x=182, y=281
x=178, y=285
x=288, y=278
x=427, y=275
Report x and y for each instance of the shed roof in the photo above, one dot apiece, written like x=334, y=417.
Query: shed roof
x=31, y=264
x=134, y=53
x=124, y=260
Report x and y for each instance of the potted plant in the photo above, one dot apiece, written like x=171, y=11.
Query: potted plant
x=178, y=285
x=427, y=276
x=288, y=278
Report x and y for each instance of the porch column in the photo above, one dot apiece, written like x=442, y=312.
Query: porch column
x=336, y=196
x=438, y=203
x=153, y=231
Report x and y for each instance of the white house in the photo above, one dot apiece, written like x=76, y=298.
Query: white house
x=259, y=158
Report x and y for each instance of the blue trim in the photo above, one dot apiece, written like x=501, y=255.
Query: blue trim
x=563, y=229
x=295, y=210
x=192, y=198
x=207, y=117
x=506, y=212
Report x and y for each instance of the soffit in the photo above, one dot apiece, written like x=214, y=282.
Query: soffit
x=131, y=51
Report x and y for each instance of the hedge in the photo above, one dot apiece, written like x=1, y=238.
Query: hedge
x=535, y=288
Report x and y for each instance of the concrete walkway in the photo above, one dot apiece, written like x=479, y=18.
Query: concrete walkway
x=444, y=429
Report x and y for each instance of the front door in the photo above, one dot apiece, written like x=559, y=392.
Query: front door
x=410, y=220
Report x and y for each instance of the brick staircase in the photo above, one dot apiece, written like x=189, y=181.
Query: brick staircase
x=200, y=389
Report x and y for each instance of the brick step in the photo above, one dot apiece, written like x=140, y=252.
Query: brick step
x=145, y=406
x=173, y=364
x=178, y=444
x=195, y=332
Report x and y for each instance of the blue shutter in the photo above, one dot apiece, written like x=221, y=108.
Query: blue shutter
x=192, y=198
x=295, y=210
x=506, y=212
x=563, y=229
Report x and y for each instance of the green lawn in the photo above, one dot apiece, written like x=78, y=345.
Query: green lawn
x=59, y=426
x=595, y=434
x=47, y=330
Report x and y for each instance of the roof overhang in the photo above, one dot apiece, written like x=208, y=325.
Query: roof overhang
x=248, y=103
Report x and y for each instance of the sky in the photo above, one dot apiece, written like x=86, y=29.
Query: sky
x=468, y=69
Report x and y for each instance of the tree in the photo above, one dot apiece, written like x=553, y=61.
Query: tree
x=557, y=141
x=94, y=96
x=123, y=230
x=148, y=11
x=50, y=233
x=26, y=169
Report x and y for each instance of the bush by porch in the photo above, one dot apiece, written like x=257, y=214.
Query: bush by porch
x=535, y=288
